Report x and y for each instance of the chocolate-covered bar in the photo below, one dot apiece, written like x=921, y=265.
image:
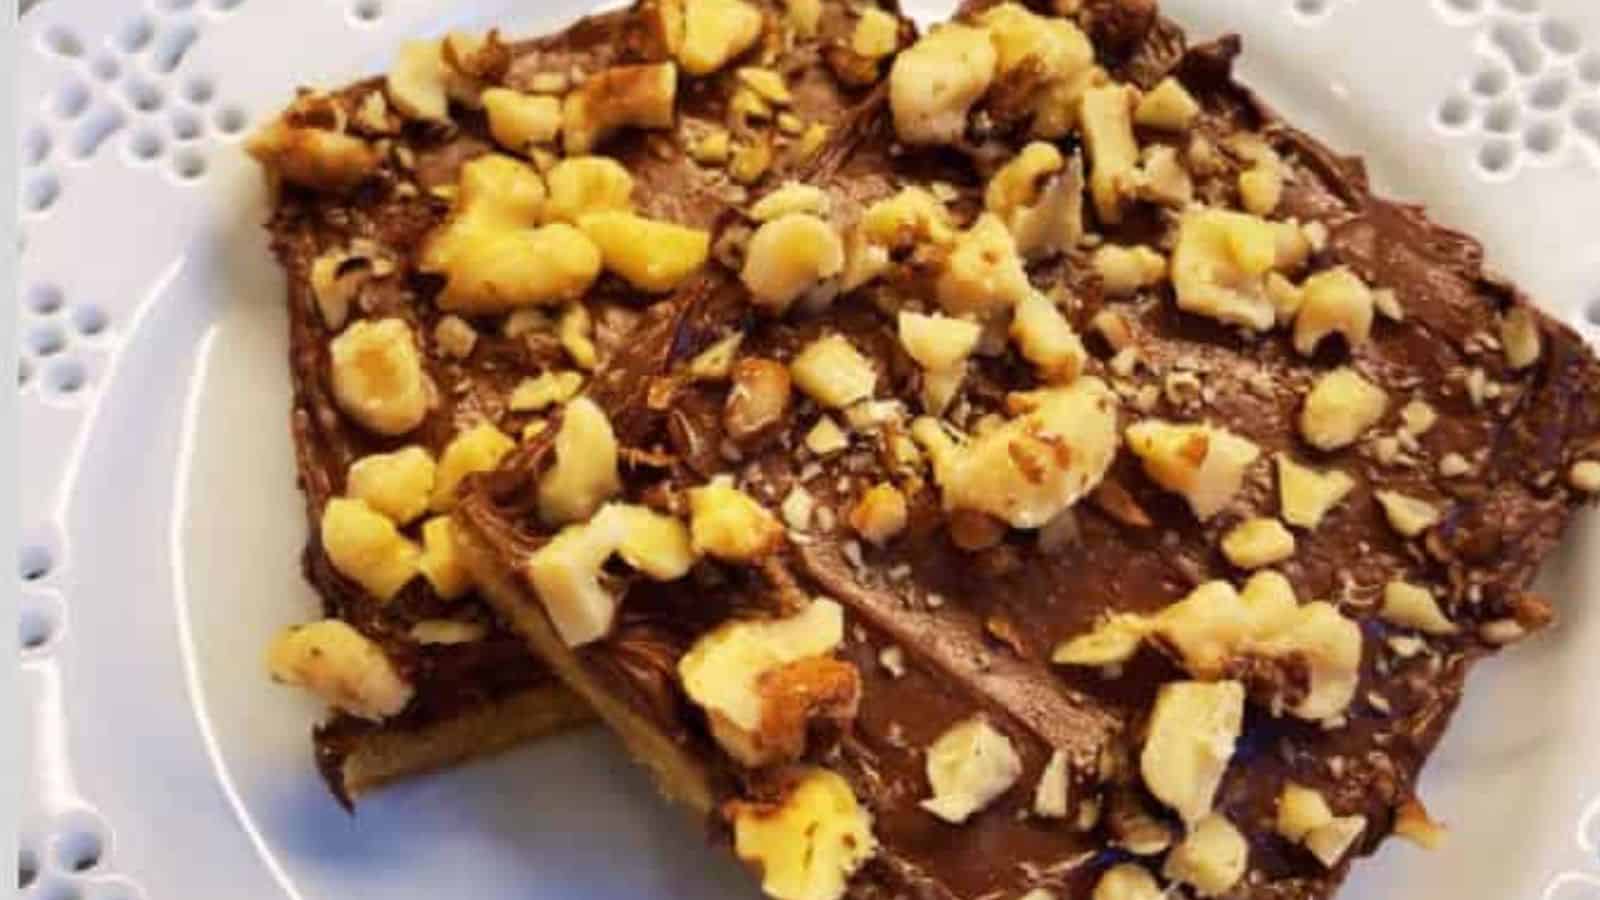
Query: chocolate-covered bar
x=455, y=238
x=1077, y=484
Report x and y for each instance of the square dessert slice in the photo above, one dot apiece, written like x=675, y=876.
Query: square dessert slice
x=1082, y=486
x=465, y=241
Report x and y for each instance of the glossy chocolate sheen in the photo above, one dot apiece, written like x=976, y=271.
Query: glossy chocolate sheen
x=452, y=679
x=977, y=629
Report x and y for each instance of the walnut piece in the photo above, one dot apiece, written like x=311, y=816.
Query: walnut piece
x=969, y=766
x=1204, y=464
x=455, y=337
x=876, y=35
x=736, y=673
x=1126, y=270
x=585, y=472
x=984, y=274
x=519, y=121
x=1107, y=117
x=1028, y=470
x=1341, y=407
x=1190, y=740
x=1167, y=107
x=1409, y=516
x=342, y=666
x=791, y=197
x=565, y=573
x=810, y=843
x=478, y=449
x=758, y=400
x=934, y=83
x=364, y=546
x=653, y=543
x=1335, y=301
x=1212, y=858
x=1305, y=495
x=637, y=96
x=1411, y=606
x=397, y=484
x=790, y=257
x=377, y=377
x=649, y=255
x=441, y=561
x=315, y=158
x=543, y=391
x=1047, y=340
x=715, y=32
x=880, y=514
x=1257, y=543
x=729, y=524
x=493, y=257
x=831, y=371
x=1221, y=264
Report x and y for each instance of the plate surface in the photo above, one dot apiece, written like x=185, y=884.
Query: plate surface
x=161, y=523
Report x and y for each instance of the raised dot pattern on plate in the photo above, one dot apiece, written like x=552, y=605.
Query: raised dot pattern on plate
x=1535, y=93
x=55, y=332
x=132, y=84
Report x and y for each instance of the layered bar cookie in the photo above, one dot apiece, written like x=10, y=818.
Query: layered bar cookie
x=466, y=240
x=1079, y=485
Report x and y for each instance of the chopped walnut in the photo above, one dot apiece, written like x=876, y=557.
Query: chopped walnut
x=1125, y=270
x=585, y=473
x=729, y=524
x=762, y=681
x=565, y=574
x=337, y=278
x=364, y=546
x=1190, y=740
x=714, y=33
x=649, y=255
x=455, y=337
x=808, y=844
x=1047, y=340
x=935, y=81
x=1107, y=118
x=876, y=35
x=791, y=197
x=315, y=158
x=831, y=371
x=1411, y=606
x=1167, y=107
x=582, y=185
x=397, y=484
x=1584, y=476
x=342, y=666
x=969, y=767
x=478, y=449
x=1409, y=516
x=1127, y=881
x=790, y=257
x=1221, y=264
x=983, y=274
x=1051, y=795
x=1204, y=464
x=1340, y=408
x=1211, y=859
x=544, y=391
x=826, y=437
x=1029, y=469
x=1261, y=189
x=880, y=515
x=639, y=96
x=758, y=399
x=1335, y=301
x=1306, y=495
x=377, y=376
x=1257, y=543
x=519, y=121
x=447, y=632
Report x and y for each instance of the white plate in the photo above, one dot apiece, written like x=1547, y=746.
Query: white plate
x=162, y=526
